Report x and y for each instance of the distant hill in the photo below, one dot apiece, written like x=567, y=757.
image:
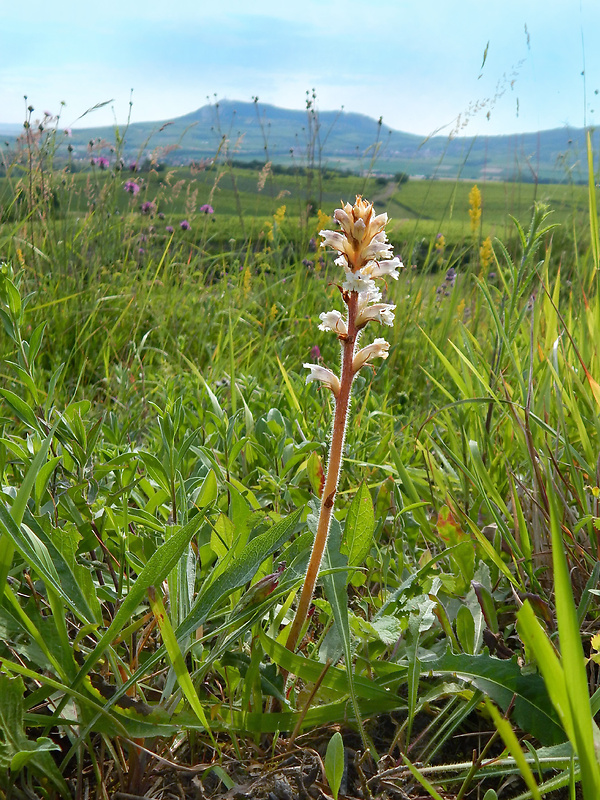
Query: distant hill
x=254, y=131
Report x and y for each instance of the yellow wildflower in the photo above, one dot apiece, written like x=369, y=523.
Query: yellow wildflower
x=279, y=215
x=247, y=282
x=323, y=220
x=475, y=209
x=440, y=244
x=486, y=253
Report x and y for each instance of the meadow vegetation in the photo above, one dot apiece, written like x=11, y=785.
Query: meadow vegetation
x=162, y=458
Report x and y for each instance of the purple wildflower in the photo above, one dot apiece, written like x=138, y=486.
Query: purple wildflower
x=312, y=245
x=161, y=215
x=133, y=166
x=315, y=353
x=169, y=229
x=141, y=251
x=184, y=225
x=206, y=209
x=146, y=207
x=101, y=161
x=132, y=186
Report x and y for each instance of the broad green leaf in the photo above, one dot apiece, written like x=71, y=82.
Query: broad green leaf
x=359, y=527
x=42, y=555
x=335, y=678
x=22, y=410
x=504, y=683
x=334, y=763
x=540, y=646
x=16, y=750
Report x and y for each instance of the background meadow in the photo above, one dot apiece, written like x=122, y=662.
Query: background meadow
x=161, y=455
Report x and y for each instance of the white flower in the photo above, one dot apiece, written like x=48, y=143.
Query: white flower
x=336, y=240
x=326, y=376
x=377, y=224
x=357, y=282
x=379, y=247
x=380, y=312
x=382, y=269
x=364, y=298
x=333, y=321
x=379, y=349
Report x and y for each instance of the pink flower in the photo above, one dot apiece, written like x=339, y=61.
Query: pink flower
x=184, y=225
x=206, y=209
x=132, y=187
x=101, y=161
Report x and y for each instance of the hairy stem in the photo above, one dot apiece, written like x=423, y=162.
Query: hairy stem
x=342, y=403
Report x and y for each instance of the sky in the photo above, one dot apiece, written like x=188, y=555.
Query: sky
x=424, y=66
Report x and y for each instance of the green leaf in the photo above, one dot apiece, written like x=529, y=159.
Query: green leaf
x=334, y=763
x=503, y=682
x=42, y=555
x=538, y=643
x=511, y=741
x=22, y=410
x=429, y=788
x=176, y=657
x=359, y=527
x=16, y=750
x=573, y=661
x=153, y=574
x=208, y=490
x=336, y=592
x=237, y=570
x=465, y=629
x=42, y=478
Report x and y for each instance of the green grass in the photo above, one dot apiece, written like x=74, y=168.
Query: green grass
x=160, y=452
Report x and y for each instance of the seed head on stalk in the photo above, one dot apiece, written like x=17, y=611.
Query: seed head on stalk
x=365, y=255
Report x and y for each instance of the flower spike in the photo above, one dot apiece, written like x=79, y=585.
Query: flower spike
x=365, y=255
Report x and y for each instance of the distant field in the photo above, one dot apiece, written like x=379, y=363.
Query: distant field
x=418, y=208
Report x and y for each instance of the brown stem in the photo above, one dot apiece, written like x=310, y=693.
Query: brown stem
x=334, y=465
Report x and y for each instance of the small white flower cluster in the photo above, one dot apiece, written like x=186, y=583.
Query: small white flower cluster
x=365, y=255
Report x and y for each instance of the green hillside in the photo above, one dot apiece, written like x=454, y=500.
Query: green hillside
x=340, y=139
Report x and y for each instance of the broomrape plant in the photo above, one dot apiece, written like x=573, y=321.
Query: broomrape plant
x=365, y=255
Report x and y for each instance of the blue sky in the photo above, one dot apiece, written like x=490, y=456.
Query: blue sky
x=417, y=63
